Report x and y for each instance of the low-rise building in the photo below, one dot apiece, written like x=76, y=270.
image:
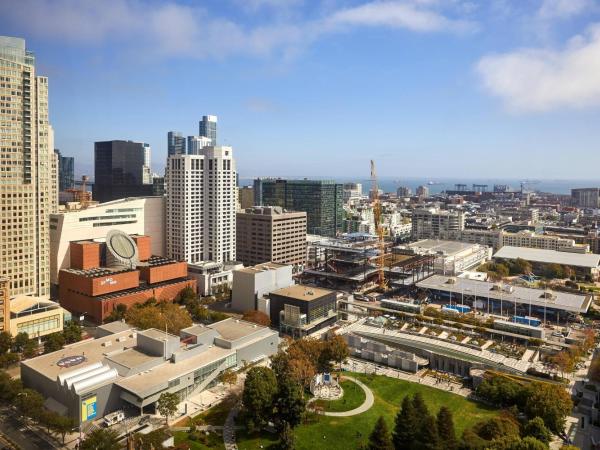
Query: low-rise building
x=36, y=316
x=213, y=277
x=299, y=310
x=451, y=257
x=130, y=369
x=251, y=286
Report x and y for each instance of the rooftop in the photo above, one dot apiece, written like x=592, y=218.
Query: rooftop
x=448, y=248
x=588, y=260
x=115, y=327
x=97, y=272
x=302, y=292
x=461, y=286
x=131, y=358
x=21, y=303
x=234, y=329
x=262, y=267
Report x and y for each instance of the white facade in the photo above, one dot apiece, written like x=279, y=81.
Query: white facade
x=433, y=223
x=197, y=143
x=201, y=206
x=136, y=215
x=211, y=277
x=251, y=284
x=499, y=238
x=147, y=175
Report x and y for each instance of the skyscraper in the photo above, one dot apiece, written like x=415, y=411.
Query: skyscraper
x=66, y=171
x=197, y=143
x=120, y=170
x=28, y=177
x=322, y=201
x=208, y=128
x=175, y=143
x=201, y=206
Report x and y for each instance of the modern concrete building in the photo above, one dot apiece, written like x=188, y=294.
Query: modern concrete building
x=121, y=170
x=270, y=234
x=586, y=197
x=352, y=191
x=252, y=285
x=4, y=304
x=321, y=200
x=207, y=128
x=434, y=223
x=139, y=215
x=119, y=269
x=175, y=143
x=403, y=192
x=246, y=197
x=28, y=172
x=197, y=143
x=129, y=369
x=422, y=192
x=300, y=310
x=525, y=238
x=212, y=277
x=451, y=257
x=201, y=206
x=36, y=316
x=583, y=264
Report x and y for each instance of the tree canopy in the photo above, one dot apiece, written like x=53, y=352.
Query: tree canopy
x=257, y=317
x=158, y=315
x=380, y=438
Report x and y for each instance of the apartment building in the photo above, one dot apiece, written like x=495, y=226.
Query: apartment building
x=271, y=234
x=201, y=206
x=586, y=197
x=499, y=238
x=434, y=223
x=28, y=171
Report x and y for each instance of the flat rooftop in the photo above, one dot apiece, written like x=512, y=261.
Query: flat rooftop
x=302, y=292
x=131, y=358
x=115, y=327
x=588, y=260
x=97, y=272
x=448, y=248
x=91, y=351
x=262, y=267
x=560, y=300
x=234, y=329
x=197, y=330
x=146, y=381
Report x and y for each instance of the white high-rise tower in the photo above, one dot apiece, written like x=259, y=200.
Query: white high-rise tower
x=201, y=205
x=28, y=172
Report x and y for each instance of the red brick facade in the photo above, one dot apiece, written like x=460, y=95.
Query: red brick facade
x=106, y=284
x=84, y=255
x=157, y=274
x=144, y=247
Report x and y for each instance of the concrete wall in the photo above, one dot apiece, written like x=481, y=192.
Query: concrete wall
x=267, y=347
x=249, y=286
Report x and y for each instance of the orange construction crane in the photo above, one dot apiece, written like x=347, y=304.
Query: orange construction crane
x=378, y=228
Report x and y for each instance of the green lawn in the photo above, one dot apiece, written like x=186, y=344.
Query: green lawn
x=349, y=432
x=212, y=441
x=353, y=397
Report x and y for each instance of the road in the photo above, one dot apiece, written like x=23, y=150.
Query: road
x=25, y=437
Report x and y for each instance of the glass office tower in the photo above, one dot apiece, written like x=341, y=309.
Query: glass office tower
x=175, y=143
x=322, y=200
x=208, y=128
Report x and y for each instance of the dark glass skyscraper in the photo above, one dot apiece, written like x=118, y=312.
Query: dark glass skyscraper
x=175, y=143
x=119, y=170
x=321, y=200
x=66, y=171
x=208, y=128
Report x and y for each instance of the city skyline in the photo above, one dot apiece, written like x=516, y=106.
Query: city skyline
x=424, y=87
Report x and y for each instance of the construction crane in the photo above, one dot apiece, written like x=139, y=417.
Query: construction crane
x=378, y=228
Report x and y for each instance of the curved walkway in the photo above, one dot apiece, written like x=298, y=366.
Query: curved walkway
x=229, y=429
x=369, y=400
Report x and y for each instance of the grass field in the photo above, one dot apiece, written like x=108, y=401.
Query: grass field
x=349, y=432
x=353, y=397
x=212, y=441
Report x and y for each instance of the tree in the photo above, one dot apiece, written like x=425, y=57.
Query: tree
x=497, y=427
x=19, y=342
x=287, y=440
x=228, y=376
x=60, y=424
x=445, y=426
x=187, y=294
x=550, y=402
x=290, y=404
x=531, y=443
x=595, y=370
x=260, y=390
x=167, y=405
x=257, y=317
x=157, y=316
x=419, y=406
x=8, y=359
x=30, y=403
x=405, y=424
x=380, y=438
x=5, y=342
x=30, y=349
x=101, y=439
x=337, y=350
x=427, y=437
x=72, y=332
x=499, y=390
x=9, y=387
x=118, y=313
x=564, y=361
x=537, y=429
x=54, y=342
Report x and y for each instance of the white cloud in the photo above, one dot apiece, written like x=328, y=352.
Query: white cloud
x=563, y=9
x=170, y=29
x=542, y=80
x=411, y=16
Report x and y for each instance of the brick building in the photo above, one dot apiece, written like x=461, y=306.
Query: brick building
x=91, y=288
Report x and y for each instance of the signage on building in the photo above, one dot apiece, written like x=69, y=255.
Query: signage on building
x=110, y=281
x=70, y=361
x=88, y=409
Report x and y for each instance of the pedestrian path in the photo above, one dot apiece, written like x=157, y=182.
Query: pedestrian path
x=369, y=400
x=229, y=429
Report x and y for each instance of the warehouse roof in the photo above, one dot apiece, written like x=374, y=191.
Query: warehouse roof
x=537, y=297
x=588, y=260
x=448, y=248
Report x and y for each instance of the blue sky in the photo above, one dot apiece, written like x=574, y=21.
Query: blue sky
x=433, y=88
